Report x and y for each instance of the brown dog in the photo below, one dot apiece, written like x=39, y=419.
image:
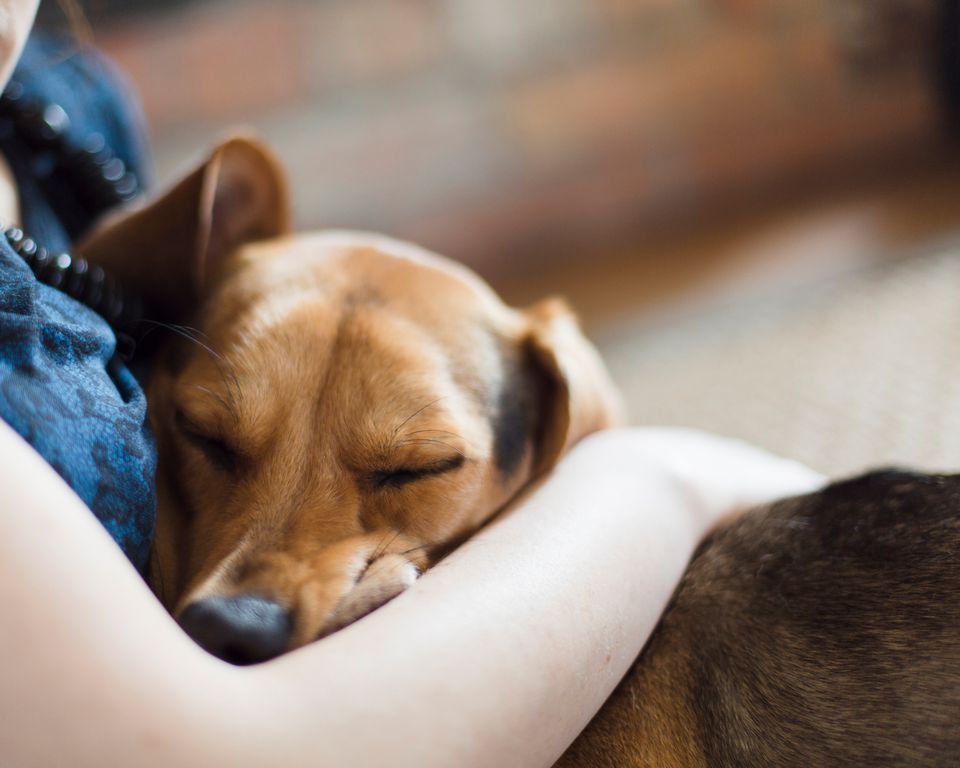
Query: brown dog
x=349, y=407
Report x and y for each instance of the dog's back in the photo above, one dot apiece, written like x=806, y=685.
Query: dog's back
x=819, y=631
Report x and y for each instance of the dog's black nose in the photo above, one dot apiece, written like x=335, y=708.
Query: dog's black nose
x=240, y=630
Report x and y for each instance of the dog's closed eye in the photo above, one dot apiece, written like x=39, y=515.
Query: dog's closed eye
x=214, y=447
x=401, y=476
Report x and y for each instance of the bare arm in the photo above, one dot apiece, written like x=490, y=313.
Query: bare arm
x=497, y=657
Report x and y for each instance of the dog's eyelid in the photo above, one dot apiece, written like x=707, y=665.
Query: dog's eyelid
x=191, y=424
x=400, y=476
x=214, y=446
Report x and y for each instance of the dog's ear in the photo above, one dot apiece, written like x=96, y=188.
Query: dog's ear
x=576, y=393
x=169, y=248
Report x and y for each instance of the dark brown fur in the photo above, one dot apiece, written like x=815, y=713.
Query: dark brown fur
x=818, y=631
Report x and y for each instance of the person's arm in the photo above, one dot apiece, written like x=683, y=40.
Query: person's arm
x=499, y=656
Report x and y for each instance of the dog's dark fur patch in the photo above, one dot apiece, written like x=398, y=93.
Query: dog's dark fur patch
x=515, y=417
x=822, y=630
x=176, y=355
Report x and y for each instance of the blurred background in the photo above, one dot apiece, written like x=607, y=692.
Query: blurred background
x=753, y=204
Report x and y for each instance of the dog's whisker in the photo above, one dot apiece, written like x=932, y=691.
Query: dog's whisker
x=434, y=431
x=384, y=545
x=235, y=394
x=378, y=551
x=188, y=333
x=196, y=333
x=228, y=376
x=416, y=413
x=224, y=401
x=425, y=548
x=408, y=440
x=433, y=441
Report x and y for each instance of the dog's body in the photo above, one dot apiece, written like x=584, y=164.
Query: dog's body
x=817, y=631
x=351, y=407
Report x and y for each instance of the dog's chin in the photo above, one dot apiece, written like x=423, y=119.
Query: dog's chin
x=384, y=579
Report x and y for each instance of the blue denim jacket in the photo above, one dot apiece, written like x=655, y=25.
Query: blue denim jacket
x=62, y=385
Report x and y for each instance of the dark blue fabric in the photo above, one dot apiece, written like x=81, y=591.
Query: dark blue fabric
x=62, y=385
x=97, y=100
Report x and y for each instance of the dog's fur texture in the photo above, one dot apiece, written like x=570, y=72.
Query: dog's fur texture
x=347, y=408
x=817, y=631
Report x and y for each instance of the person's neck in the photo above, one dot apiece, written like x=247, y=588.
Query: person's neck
x=9, y=198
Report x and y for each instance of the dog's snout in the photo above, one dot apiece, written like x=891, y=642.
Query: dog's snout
x=241, y=630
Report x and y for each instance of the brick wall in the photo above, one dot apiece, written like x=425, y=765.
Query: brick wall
x=498, y=130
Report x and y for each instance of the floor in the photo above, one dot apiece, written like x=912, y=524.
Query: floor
x=826, y=331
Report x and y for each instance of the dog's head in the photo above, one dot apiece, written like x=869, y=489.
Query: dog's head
x=339, y=411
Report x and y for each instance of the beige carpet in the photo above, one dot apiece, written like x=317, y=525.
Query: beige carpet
x=851, y=372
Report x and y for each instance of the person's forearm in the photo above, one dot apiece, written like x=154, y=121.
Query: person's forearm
x=502, y=654
x=497, y=657
x=92, y=669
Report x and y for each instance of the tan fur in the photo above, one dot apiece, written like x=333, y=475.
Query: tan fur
x=323, y=360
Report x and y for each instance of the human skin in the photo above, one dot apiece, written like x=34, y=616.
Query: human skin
x=499, y=656
x=16, y=18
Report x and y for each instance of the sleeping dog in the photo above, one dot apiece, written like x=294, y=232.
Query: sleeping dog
x=345, y=408
x=349, y=408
